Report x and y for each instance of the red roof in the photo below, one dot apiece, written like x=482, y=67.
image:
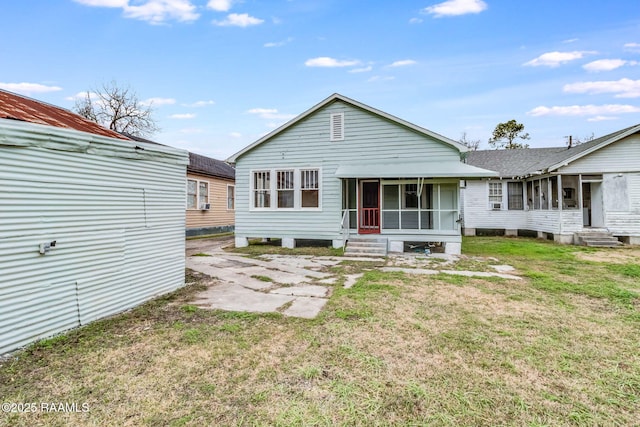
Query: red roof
x=16, y=107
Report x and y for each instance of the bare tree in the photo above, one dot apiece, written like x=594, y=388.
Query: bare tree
x=472, y=145
x=504, y=135
x=572, y=142
x=117, y=108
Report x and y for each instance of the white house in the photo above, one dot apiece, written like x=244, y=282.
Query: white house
x=559, y=192
x=343, y=170
x=91, y=223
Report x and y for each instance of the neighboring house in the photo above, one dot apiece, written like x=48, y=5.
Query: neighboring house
x=91, y=223
x=211, y=198
x=342, y=170
x=557, y=192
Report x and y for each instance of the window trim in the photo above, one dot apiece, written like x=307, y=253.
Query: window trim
x=233, y=208
x=198, y=182
x=273, y=189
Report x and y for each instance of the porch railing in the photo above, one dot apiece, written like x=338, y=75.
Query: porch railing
x=369, y=220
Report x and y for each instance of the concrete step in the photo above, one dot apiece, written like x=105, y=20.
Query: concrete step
x=366, y=247
x=596, y=238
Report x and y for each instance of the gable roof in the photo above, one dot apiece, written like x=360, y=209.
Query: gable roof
x=337, y=97
x=20, y=108
x=208, y=166
x=524, y=162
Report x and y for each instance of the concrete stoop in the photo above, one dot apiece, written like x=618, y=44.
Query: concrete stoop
x=366, y=247
x=601, y=238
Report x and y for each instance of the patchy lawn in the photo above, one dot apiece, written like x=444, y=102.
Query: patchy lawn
x=560, y=347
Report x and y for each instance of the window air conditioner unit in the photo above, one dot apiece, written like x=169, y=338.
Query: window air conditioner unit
x=496, y=206
x=205, y=206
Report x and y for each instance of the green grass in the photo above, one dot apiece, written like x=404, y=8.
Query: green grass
x=559, y=347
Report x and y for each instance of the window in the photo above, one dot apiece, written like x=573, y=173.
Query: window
x=262, y=189
x=495, y=195
x=309, y=188
x=336, y=125
x=203, y=193
x=192, y=194
x=285, y=189
x=411, y=196
x=231, y=197
x=197, y=193
x=515, y=196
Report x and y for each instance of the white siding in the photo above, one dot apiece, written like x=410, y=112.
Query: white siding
x=478, y=215
x=307, y=144
x=118, y=223
x=622, y=203
x=620, y=156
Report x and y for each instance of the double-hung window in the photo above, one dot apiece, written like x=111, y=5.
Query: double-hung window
x=285, y=188
x=309, y=188
x=197, y=194
x=515, y=196
x=262, y=189
x=495, y=195
x=231, y=197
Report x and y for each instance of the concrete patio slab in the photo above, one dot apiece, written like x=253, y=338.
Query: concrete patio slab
x=232, y=297
x=303, y=291
x=305, y=307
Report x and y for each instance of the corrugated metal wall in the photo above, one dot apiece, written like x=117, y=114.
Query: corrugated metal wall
x=115, y=212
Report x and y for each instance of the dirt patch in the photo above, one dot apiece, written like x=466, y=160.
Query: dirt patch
x=616, y=256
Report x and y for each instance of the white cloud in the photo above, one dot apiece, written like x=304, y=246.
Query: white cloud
x=607, y=64
x=623, y=88
x=583, y=110
x=455, y=8
x=554, y=59
x=270, y=113
x=182, y=116
x=633, y=47
x=239, y=20
x=235, y=135
x=380, y=79
x=25, y=88
x=325, y=61
x=570, y=41
x=415, y=21
x=158, y=101
x=199, y=104
x=152, y=11
x=403, y=63
x=601, y=118
x=362, y=70
x=280, y=43
x=219, y=5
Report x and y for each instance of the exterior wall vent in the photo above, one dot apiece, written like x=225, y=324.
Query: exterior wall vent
x=337, y=127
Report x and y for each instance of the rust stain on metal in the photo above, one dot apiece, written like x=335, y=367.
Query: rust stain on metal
x=16, y=107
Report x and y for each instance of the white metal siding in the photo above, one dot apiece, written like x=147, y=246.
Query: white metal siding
x=118, y=224
x=307, y=144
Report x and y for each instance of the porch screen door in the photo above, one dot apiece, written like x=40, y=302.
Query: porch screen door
x=369, y=210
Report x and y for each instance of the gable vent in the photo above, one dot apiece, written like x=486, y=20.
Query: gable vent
x=337, y=127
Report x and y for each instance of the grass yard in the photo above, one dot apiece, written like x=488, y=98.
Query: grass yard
x=561, y=347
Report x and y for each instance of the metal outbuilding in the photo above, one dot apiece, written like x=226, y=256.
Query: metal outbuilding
x=91, y=223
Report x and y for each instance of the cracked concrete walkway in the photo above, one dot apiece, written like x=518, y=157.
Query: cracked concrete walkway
x=282, y=283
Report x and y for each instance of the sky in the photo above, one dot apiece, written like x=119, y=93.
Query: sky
x=220, y=74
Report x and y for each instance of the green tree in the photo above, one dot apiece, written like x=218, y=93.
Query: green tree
x=505, y=135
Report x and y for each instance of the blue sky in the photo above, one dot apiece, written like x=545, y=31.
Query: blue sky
x=222, y=73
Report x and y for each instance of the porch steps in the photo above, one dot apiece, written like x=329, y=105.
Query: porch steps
x=596, y=238
x=357, y=246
